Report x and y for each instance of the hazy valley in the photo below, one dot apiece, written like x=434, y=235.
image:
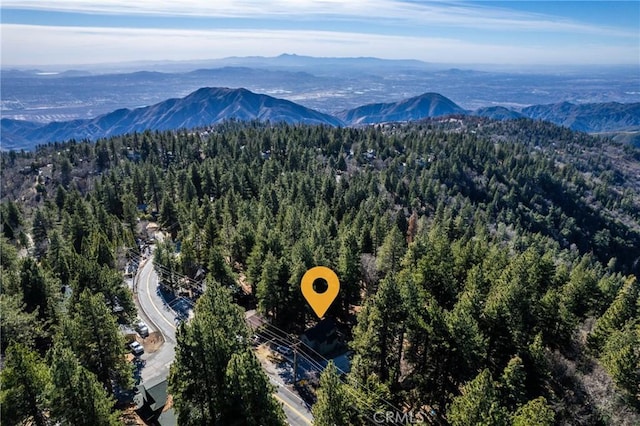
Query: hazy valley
x=325, y=84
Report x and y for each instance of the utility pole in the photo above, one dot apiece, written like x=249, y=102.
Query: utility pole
x=295, y=363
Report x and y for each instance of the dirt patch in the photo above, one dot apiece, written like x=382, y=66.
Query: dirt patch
x=152, y=342
x=130, y=417
x=169, y=404
x=262, y=352
x=242, y=280
x=266, y=355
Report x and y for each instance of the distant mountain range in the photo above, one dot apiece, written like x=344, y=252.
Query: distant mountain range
x=201, y=108
x=601, y=117
x=209, y=106
x=427, y=105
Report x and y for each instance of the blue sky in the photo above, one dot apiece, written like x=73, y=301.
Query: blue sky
x=75, y=32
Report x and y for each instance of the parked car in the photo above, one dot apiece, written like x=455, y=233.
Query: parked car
x=142, y=329
x=284, y=350
x=136, y=348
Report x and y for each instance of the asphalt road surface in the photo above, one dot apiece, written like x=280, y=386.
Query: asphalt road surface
x=160, y=317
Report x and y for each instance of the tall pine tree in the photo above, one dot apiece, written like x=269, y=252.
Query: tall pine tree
x=24, y=380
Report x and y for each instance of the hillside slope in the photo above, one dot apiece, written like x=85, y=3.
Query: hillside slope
x=588, y=117
x=423, y=106
x=203, y=107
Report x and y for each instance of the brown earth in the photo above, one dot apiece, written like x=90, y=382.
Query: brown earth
x=152, y=342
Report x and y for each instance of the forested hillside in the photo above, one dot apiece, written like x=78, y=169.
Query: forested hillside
x=488, y=269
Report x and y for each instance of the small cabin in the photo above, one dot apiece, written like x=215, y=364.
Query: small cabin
x=323, y=337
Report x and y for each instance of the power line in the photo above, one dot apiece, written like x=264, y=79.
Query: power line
x=319, y=368
x=284, y=337
x=389, y=404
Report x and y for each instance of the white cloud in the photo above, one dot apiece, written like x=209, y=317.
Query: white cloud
x=456, y=14
x=24, y=45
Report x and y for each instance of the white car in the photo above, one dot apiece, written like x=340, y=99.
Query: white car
x=284, y=350
x=136, y=348
x=142, y=329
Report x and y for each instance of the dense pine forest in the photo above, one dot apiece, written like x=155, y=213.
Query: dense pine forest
x=488, y=270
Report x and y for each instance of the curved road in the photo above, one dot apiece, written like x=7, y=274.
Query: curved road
x=160, y=317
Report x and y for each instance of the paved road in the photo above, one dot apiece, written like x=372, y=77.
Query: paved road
x=160, y=317
x=295, y=409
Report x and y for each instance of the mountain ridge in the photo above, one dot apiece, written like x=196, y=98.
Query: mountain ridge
x=203, y=107
x=211, y=105
x=415, y=108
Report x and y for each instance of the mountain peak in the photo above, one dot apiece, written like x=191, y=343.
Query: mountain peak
x=422, y=106
x=203, y=107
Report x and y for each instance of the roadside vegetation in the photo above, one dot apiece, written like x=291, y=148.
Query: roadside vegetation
x=488, y=269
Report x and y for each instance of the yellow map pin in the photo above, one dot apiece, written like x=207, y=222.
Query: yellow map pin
x=320, y=302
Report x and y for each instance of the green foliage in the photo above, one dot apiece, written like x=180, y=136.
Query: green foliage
x=169, y=215
x=212, y=360
x=379, y=335
x=348, y=269
x=534, y=413
x=625, y=307
x=478, y=404
x=391, y=252
x=17, y=325
x=513, y=383
x=76, y=396
x=24, y=379
x=250, y=400
x=621, y=358
x=38, y=291
x=92, y=333
x=331, y=407
x=517, y=233
x=269, y=287
x=11, y=220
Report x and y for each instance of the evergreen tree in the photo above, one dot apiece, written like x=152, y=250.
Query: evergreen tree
x=169, y=215
x=268, y=288
x=332, y=407
x=17, y=325
x=77, y=398
x=379, y=335
x=24, y=379
x=129, y=210
x=212, y=350
x=534, y=413
x=39, y=231
x=625, y=306
x=93, y=335
x=37, y=291
x=512, y=383
x=463, y=326
x=391, y=251
x=478, y=404
x=250, y=401
x=349, y=270
x=621, y=358
x=11, y=220
x=59, y=257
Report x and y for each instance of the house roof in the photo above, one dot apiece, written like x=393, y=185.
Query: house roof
x=154, y=394
x=342, y=363
x=322, y=331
